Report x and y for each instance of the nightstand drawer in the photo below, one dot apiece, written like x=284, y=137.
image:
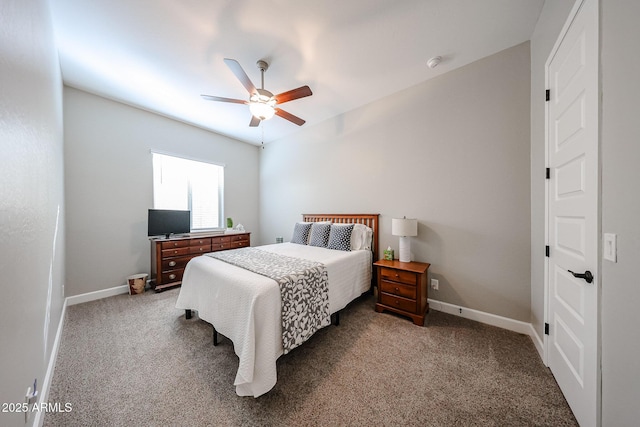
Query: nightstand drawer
x=398, y=289
x=398, y=276
x=398, y=302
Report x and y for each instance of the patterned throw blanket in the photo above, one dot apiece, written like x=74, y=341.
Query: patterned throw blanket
x=303, y=290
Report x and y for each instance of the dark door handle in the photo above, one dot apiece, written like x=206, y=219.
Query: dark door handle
x=587, y=276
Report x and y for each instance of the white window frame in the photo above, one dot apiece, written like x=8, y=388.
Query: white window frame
x=221, y=218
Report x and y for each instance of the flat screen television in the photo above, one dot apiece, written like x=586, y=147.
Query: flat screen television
x=167, y=222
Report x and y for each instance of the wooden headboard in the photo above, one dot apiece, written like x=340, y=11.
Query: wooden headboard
x=370, y=220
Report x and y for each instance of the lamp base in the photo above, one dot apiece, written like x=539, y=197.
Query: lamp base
x=405, y=249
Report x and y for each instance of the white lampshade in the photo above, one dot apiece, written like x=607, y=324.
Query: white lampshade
x=404, y=227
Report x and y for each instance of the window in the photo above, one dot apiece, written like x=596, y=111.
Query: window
x=189, y=185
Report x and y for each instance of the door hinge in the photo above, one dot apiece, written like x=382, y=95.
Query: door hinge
x=546, y=251
x=546, y=329
x=548, y=95
x=548, y=173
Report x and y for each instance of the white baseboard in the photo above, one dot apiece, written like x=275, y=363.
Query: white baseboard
x=76, y=299
x=48, y=377
x=539, y=343
x=92, y=296
x=482, y=317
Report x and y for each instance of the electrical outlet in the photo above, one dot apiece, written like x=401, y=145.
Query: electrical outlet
x=435, y=284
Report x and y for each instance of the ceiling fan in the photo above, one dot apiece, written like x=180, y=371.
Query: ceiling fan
x=262, y=103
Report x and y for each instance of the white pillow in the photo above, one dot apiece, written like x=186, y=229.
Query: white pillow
x=361, y=237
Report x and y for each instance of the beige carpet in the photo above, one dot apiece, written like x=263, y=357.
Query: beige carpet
x=136, y=361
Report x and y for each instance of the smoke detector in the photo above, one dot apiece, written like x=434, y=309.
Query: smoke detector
x=433, y=62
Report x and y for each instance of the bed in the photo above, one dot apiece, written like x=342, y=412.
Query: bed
x=246, y=306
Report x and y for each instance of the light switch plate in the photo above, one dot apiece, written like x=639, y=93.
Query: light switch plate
x=610, y=249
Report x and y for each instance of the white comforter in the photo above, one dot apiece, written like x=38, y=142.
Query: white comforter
x=245, y=306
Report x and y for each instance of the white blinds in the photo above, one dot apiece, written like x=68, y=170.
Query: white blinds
x=180, y=183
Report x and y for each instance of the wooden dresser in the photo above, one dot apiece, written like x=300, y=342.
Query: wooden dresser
x=402, y=288
x=170, y=256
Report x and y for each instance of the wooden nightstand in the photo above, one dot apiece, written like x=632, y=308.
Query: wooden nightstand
x=402, y=288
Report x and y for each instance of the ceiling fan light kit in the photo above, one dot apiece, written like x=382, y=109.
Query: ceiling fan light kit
x=262, y=103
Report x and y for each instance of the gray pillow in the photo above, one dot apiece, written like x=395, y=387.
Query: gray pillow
x=340, y=237
x=320, y=234
x=301, y=233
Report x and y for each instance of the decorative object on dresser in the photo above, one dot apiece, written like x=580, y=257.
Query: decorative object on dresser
x=170, y=256
x=402, y=288
x=405, y=228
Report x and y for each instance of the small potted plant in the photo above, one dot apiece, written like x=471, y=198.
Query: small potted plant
x=229, y=223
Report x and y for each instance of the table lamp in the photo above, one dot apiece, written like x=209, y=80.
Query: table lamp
x=405, y=228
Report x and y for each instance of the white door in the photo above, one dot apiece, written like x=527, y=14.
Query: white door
x=572, y=209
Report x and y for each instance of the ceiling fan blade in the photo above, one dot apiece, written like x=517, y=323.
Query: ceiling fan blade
x=221, y=99
x=301, y=92
x=236, y=68
x=290, y=117
x=254, y=122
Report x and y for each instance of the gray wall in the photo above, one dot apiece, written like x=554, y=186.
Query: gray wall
x=31, y=198
x=550, y=23
x=620, y=153
x=452, y=152
x=109, y=184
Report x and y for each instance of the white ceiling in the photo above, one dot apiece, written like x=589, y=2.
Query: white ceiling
x=160, y=55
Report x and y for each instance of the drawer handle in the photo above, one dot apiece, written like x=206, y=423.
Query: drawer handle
x=175, y=252
x=397, y=289
x=172, y=276
x=397, y=275
x=172, y=263
x=200, y=249
x=397, y=302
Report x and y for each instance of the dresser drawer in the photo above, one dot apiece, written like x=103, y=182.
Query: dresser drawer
x=239, y=237
x=172, y=275
x=220, y=246
x=166, y=253
x=174, y=244
x=199, y=249
x=395, y=288
x=398, y=302
x=398, y=276
x=175, y=263
x=220, y=240
x=200, y=242
x=239, y=244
